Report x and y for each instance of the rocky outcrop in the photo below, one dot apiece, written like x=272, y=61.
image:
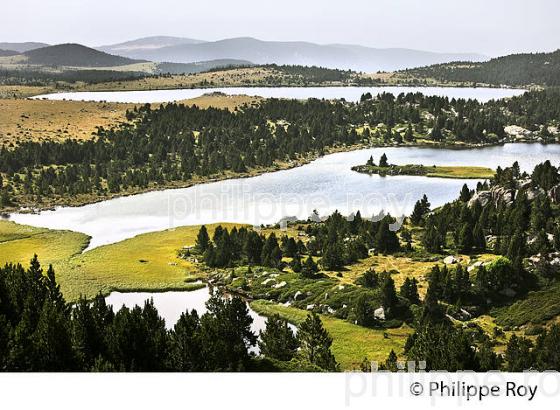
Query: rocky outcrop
x=494, y=195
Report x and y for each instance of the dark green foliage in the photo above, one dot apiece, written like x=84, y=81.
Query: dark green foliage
x=315, y=343
x=389, y=294
x=465, y=194
x=309, y=268
x=433, y=240
x=370, y=279
x=409, y=291
x=383, y=161
x=442, y=347
x=40, y=332
x=514, y=70
x=158, y=147
x=226, y=334
x=230, y=247
x=202, y=240
x=278, y=340
x=421, y=209
x=518, y=354
x=185, y=344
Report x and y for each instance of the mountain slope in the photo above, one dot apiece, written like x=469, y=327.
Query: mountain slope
x=22, y=47
x=147, y=43
x=8, y=53
x=297, y=53
x=75, y=55
x=513, y=70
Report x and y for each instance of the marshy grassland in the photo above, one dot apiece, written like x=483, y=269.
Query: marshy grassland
x=145, y=262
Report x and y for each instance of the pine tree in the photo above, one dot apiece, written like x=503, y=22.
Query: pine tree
x=432, y=240
x=389, y=294
x=465, y=194
x=391, y=364
x=185, y=344
x=202, y=240
x=277, y=341
x=383, y=161
x=309, y=269
x=421, y=209
x=409, y=290
x=315, y=343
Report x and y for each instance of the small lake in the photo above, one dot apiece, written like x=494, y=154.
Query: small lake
x=348, y=93
x=171, y=305
x=326, y=184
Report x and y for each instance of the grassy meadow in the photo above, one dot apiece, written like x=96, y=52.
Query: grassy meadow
x=351, y=343
x=145, y=262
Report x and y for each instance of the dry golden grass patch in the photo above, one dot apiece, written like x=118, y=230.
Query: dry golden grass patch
x=41, y=120
x=230, y=102
x=227, y=78
x=22, y=91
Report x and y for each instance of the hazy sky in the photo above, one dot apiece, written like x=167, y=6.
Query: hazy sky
x=493, y=27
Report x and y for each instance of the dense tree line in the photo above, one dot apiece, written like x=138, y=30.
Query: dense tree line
x=513, y=70
x=338, y=241
x=521, y=221
x=40, y=331
x=35, y=77
x=174, y=143
x=515, y=212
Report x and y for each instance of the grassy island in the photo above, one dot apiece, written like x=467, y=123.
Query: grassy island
x=462, y=172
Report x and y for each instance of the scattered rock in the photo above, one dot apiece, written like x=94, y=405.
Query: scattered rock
x=450, y=260
x=474, y=266
x=280, y=285
x=299, y=295
x=310, y=307
x=379, y=313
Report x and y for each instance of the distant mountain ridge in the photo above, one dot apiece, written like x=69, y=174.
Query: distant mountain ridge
x=22, y=47
x=342, y=56
x=148, y=43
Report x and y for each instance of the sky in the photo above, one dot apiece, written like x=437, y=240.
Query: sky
x=491, y=27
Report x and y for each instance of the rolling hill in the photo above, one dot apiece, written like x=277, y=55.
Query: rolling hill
x=75, y=55
x=8, y=53
x=512, y=70
x=293, y=53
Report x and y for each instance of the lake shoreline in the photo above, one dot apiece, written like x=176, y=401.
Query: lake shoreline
x=317, y=85
x=29, y=208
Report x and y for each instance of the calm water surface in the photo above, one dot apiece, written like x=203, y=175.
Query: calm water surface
x=325, y=185
x=348, y=93
x=171, y=305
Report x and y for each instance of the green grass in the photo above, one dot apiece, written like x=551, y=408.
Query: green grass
x=351, y=343
x=18, y=244
x=145, y=262
x=461, y=172
x=537, y=308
